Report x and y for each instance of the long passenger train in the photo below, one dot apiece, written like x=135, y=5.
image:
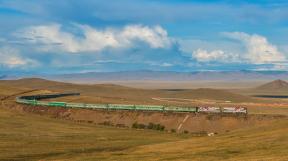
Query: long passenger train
x=35, y=101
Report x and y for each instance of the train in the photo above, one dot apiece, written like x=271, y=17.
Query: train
x=35, y=101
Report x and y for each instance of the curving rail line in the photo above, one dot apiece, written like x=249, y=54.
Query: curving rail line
x=36, y=100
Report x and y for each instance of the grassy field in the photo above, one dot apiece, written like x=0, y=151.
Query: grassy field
x=269, y=142
x=32, y=137
x=26, y=136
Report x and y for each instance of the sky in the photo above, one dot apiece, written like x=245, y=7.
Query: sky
x=73, y=36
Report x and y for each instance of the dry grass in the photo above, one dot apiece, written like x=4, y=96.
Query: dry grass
x=269, y=142
x=31, y=137
x=260, y=143
x=127, y=93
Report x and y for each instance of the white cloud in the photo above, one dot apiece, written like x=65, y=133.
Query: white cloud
x=156, y=37
x=10, y=58
x=202, y=55
x=258, y=49
x=53, y=38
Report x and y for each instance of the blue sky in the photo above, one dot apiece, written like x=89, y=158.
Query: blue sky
x=52, y=36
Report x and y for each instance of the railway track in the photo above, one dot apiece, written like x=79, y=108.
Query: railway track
x=34, y=100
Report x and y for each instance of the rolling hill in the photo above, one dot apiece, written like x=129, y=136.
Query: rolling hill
x=169, y=76
x=274, y=88
x=128, y=94
x=26, y=136
x=277, y=85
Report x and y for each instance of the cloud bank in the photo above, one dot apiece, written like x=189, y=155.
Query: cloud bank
x=203, y=55
x=257, y=50
x=54, y=38
x=128, y=35
x=134, y=46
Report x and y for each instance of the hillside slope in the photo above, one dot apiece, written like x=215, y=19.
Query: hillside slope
x=32, y=137
x=126, y=93
x=26, y=136
x=277, y=85
x=267, y=142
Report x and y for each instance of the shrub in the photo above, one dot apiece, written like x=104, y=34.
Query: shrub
x=135, y=125
x=141, y=126
x=173, y=130
x=157, y=127
x=186, y=132
x=162, y=127
x=150, y=126
x=138, y=126
x=106, y=123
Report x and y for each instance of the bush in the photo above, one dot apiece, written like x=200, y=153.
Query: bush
x=106, y=123
x=186, y=132
x=149, y=126
x=162, y=127
x=138, y=126
x=135, y=125
x=173, y=130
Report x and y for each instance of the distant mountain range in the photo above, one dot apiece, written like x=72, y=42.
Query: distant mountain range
x=91, y=77
x=171, y=76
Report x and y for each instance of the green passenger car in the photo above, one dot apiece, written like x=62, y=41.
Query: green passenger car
x=76, y=105
x=43, y=103
x=96, y=106
x=181, y=109
x=32, y=101
x=60, y=104
x=120, y=107
x=149, y=108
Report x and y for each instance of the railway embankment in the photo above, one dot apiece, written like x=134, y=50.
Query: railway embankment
x=169, y=121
